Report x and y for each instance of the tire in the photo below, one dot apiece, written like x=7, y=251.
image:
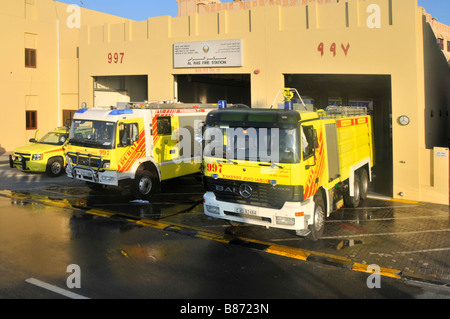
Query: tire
x=364, y=184
x=318, y=219
x=55, y=167
x=353, y=201
x=144, y=184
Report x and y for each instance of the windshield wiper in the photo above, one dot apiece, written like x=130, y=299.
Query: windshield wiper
x=83, y=142
x=271, y=164
x=227, y=160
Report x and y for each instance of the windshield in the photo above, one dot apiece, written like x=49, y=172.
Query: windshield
x=54, y=138
x=96, y=134
x=266, y=145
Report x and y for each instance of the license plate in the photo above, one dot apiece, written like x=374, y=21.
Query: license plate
x=85, y=174
x=246, y=211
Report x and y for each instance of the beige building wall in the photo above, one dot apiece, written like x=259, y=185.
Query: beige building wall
x=378, y=37
x=442, y=33
x=187, y=7
x=279, y=37
x=50, y=87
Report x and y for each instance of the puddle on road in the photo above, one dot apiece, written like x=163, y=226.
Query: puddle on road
x=115, y=199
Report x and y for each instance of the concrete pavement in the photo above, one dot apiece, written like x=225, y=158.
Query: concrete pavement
x=4, y=158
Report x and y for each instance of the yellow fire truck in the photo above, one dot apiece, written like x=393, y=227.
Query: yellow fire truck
x=286, y=168
x=135, y=144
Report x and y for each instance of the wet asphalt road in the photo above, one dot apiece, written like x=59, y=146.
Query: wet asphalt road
x=120, y=258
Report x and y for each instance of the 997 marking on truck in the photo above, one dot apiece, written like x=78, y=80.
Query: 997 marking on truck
x=215, y=168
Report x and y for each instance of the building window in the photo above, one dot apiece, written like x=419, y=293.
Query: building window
x=440, y=42
x=30, y=58
x=448, y=46
x=67, y=117
x=31, y=120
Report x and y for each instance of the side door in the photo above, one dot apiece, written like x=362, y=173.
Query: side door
x=164, y=146
x=131, y=143
x=312, y=151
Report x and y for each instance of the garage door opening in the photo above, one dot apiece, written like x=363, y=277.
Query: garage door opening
x=108, y=90
x=371, y=91
x=211, y=88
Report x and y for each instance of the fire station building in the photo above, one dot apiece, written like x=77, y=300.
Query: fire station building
x=389, y=56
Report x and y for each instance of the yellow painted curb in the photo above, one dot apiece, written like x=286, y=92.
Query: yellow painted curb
x=387, y=272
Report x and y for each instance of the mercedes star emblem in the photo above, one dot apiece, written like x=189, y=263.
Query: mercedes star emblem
x=245, y=190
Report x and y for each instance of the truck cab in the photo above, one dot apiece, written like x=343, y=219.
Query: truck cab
x=136, y=145
x=285, y=168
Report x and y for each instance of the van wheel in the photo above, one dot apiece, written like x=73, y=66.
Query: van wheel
x=143, y=185
x=353, y=201
x=364, y=184
x=55, y=167
x=318, y=219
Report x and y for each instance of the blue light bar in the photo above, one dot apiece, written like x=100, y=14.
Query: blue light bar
x=81, y=111
x=121, y=112
x=222, y=104
x=288, y=105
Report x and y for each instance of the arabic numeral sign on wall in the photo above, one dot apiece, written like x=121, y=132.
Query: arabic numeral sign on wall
x=333, y=49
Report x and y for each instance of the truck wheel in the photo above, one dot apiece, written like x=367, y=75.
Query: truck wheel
x=55, y=167
x=318, y=219
x=353, y=201
x=144, y=184
x=364, y=184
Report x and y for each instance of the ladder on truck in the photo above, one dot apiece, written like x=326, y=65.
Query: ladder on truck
x=342, y=111
x=171, y=104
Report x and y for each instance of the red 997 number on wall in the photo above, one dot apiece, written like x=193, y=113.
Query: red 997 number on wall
x=116, y=58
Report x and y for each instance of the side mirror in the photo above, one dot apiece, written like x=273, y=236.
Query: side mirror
x=315, y=139
x=315, y=146
x=33, y=140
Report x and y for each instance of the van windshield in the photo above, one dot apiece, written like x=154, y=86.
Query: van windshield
x=96, y=134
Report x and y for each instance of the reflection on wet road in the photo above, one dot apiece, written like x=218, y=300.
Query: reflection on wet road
x=410, y=237
x=119, y=258
x=177, y=197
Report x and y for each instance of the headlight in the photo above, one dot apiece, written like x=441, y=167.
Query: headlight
x=212, y=209
x=285, y=221
x=106, y=164
x=36, y=157
x=108, y=178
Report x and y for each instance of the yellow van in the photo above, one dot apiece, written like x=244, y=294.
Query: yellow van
x=43, y=156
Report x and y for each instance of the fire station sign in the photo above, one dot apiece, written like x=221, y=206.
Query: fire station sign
x=206, y=54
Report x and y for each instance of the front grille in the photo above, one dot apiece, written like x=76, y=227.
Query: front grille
x=262, y=195
x=24, y=156
x=94, y=162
